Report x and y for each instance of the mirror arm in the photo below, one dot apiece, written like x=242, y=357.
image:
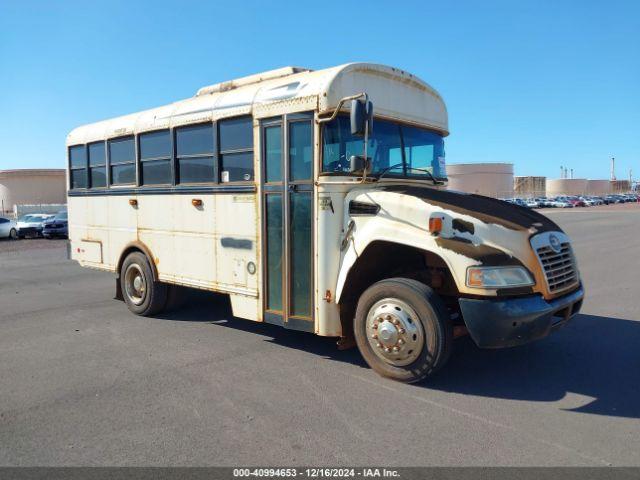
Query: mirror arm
x=340, y=103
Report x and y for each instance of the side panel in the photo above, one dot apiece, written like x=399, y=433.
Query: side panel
x=329, y=216
x=212, y=244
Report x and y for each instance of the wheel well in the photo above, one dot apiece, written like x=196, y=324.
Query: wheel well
x=137, y=247
x=382, y=260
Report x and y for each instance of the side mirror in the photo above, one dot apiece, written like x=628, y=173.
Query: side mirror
x=359, y=164
x=361, y=117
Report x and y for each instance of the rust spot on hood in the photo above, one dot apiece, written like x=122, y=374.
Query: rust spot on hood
x=484, y=254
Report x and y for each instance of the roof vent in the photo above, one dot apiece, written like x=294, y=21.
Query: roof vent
x=256, y=78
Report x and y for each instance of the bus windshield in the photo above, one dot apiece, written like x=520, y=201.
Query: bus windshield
x=394, y=149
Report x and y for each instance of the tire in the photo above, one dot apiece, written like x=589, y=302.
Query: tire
x=13, y=234
x=144, y=296
x=418, y=310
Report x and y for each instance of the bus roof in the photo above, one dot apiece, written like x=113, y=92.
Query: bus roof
x=395, y=94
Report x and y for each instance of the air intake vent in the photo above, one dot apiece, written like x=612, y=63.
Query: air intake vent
x=363, y=208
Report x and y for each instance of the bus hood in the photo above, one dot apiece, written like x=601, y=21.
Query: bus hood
x=476, y=230
x=486, y=209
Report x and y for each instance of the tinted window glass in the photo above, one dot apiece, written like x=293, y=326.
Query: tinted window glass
x=77, y=156
x=98, y=177
x=195, y=170
x=274, y=252
x=121, y=150
x=236, y=133
x=97, y=154
x=423, y=152
x=4, y=220
x=236, y=167
x=155, y=172
x=123, y=174
x=273, y=149
x=300, y=154
x=194, y=140
x=155, y=144
x=301, y=241
x=78, y=178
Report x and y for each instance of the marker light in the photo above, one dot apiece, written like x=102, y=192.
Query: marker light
x=435, y=225
x=498, y=277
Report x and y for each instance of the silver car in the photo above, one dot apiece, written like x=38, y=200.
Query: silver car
x=30, y=225
x=8, y=228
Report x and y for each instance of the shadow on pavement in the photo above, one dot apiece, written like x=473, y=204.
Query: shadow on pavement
x=595, y=357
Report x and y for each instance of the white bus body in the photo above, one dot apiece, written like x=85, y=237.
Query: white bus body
x=232, y=191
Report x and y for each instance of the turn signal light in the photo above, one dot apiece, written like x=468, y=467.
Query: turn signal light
x=475, y=278
x=435, y=225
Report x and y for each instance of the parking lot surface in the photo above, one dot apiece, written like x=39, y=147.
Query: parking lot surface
x=85, y=382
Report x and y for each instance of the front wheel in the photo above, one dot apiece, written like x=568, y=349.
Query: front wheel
x=403, y=329
x=142, y=294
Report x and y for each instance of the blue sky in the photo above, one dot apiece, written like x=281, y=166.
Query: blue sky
x=536, y=83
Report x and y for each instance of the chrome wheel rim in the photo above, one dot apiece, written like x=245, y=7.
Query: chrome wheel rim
x=135, y=284
x=13, y=234
x=394, y=332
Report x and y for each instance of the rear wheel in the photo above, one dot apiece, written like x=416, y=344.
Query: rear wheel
x=142, y=294
x=403, y=329
x=13, y=234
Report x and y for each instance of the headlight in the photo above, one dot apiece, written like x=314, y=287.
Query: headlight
x=498, y=277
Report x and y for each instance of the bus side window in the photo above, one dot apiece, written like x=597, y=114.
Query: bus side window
x=77, y=167
x=236, y=149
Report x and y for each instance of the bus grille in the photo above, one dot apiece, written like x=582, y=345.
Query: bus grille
x=559, y=267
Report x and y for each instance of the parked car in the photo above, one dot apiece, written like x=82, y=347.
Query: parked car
x=591, y=201
x=544, y=202
x=8, y=228
x=56, y=226
x=30, y=225
x=532, y=203
x=576, y=201
x=560, y=202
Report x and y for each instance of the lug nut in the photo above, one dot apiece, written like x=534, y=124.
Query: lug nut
x=379, y=345
x=387, y=349
x=401, y=342
x=401, y=330
x=374, y=336
x=396, y=321
x=375, y=325
x=396, y=349
x=388, y=317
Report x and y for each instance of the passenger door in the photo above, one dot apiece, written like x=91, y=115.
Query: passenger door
x=287, y=221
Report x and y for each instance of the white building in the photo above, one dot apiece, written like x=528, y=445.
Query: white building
x=489, y=179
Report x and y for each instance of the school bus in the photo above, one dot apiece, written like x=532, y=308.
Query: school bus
x=317, y=201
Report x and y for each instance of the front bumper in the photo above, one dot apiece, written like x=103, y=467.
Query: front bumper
x=516, y=321
x=55, y=232
x=30, y=231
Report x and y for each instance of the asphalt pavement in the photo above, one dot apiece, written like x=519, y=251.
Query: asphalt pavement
x=85, y=382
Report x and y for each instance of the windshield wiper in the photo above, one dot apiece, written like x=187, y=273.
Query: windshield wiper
x=384, y=171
